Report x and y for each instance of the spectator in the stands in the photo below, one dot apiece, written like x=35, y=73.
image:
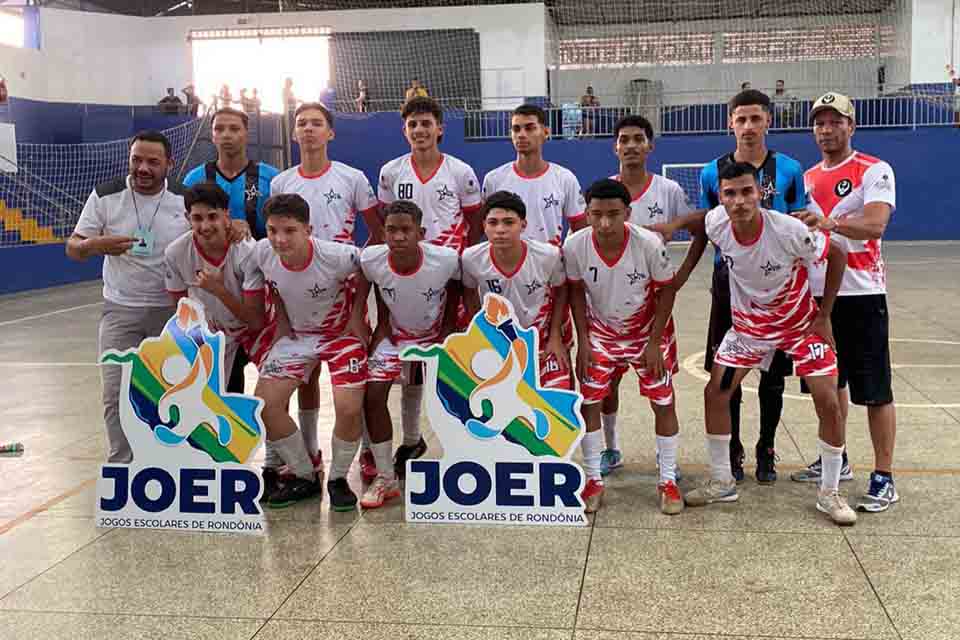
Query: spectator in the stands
x=3, y=90
x=289, y=98
x=246, y=102
x=415, y=90
x=361, y=99
x=588, y=103
x=170, y=103
x=193, y=102
x=745, y=85
x=784, y=106
x=226, y=98
x=255, y=100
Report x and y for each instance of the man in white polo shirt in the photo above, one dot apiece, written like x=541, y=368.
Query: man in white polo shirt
x=131, y=221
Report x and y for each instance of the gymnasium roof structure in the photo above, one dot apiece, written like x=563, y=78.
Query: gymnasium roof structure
x=564, y=12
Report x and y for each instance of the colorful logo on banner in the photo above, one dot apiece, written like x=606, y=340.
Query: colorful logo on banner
x=506, y=440
x=191, y=440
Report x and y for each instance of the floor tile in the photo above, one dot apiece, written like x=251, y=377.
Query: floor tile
x=774, y=584
x=301, y=630
x=28, y=625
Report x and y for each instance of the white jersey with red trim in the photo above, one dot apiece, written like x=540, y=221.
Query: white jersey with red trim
x=416, y=300
x=528, y=287
x=443, y=196
x=315, y=297
x=769, y=292
x=620, y=300
x=842, y=192
x=661, y=201
x=551, y=197
x=184, y=259
x=335, y=197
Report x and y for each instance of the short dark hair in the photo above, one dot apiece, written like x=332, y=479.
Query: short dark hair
x=230, y=111
x=208, y=193
x=291, y=205
x=737, y=170
x=422, y=104
x=504, y=200
x=528, y=109
x=319, y=106
x=154, y=136
x=748, y=98
x=608, y=189
x=404, y=208
x=634, y=121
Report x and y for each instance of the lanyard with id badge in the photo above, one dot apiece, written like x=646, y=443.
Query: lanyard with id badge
x=143, y=238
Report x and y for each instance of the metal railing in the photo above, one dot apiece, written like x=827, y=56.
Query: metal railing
x=574, y=121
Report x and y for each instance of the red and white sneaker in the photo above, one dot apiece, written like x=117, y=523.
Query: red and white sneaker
x=379, y=492
x=316, y=459
x=592, y=495
x=671, y=500
x=368, y=466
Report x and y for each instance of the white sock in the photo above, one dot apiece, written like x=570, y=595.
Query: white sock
x=411, y=397
x=832, y=460
x=718, y=448
x=343, y=454
x=365, y=443
x=609, y=422
x=383, y=454
x=592, y=446
x=293, y=452
x=308, y=429
x=667, y=447
x=271, y=457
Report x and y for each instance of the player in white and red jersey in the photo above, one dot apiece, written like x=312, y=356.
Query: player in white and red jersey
x=530, y=274
x=310, y=277
x=550, y=192
x=654, y=200
x=415, y=280
x=224, y=277
x=445, y=188
x=336, y=193
x=622, y=293
x=853, y=196
x=767, y=254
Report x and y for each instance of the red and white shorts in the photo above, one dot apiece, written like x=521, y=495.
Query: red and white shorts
x=613, y=358
x=298, y=356
x=554, y=374
x=385, y=364
x=811, y=354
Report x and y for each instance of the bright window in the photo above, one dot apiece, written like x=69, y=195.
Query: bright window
x=11, y=28
x=264, y=62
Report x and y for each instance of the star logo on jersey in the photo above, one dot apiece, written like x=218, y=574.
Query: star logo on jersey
x=315, y=291
x=431, y=293
x=533, y=287
x=655, y=211
x=843, y=187
x=636, y=276
x=390, y=292
x=550, y=201
x=331, y=196
x=443, y=193
x=252, y=193
x=770, y=267
x=768, y=190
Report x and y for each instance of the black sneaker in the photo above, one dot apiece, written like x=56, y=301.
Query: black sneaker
x=342, y=497
x=407, y=452
x=271, y=483
x=736, y=461
x=294, y=490
x=766, y=465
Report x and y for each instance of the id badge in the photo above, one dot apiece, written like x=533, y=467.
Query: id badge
x=142, y=243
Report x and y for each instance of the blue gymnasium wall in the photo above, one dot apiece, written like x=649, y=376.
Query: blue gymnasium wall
x=925, y=161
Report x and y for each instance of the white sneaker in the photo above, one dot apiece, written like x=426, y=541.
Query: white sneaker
x=712, y=491
x=835, y=505
x=379, y=491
